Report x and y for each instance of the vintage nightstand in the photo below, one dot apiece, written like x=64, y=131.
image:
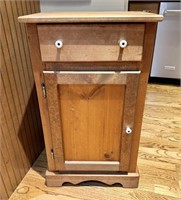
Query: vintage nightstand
x=91, y=72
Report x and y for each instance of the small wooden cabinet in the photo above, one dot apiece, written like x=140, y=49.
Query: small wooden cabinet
x=91, y=71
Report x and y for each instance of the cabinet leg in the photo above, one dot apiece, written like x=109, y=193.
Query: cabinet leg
x=130, y=180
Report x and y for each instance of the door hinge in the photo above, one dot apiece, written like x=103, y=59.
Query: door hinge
x=43, y=90
x=52, y=153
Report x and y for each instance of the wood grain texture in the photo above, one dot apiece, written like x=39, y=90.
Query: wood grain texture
x=52, y=96
x=86, y=118
x=92, y=166
x=129, y=121
x=95, y=131
x=150, y=33
x=90, y=77
x=81, y=105
x=74, y=17
x=21, y=139
x=129, y=180
x=38, y=68
x=91, y=42
x=108, y=66
x=158, y=161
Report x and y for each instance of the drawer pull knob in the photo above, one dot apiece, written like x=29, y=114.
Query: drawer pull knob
x=128, y=130
x=59, y=44
x=123, y=43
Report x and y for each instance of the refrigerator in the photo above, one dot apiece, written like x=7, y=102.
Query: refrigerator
x=167, y=54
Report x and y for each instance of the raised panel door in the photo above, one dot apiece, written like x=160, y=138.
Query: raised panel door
x=89, y=113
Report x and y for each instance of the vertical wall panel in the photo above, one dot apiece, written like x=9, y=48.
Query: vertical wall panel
x=21, y=139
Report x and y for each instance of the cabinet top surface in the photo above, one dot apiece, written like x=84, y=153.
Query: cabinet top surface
x=76, y=17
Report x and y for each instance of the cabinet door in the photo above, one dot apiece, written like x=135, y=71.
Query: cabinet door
x=90, y=113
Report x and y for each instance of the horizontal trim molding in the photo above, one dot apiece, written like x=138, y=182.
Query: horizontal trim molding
x=92, y=165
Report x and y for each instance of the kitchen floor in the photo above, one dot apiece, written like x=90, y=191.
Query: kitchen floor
x=159, y=159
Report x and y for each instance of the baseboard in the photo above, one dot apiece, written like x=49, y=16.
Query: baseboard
x=55, y=179
x=167, y=81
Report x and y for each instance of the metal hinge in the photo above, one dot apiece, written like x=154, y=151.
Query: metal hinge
x=43, y=90
x=52, y=153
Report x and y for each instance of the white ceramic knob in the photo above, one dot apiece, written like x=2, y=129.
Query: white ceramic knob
x=59, y=44
x=123, y=43
x=128, y=130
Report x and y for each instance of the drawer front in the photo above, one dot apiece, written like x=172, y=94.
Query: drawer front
x=91, y=42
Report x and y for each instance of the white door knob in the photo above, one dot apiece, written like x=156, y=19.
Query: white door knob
x=59, y=44
x=128, y=130
x=123, y=43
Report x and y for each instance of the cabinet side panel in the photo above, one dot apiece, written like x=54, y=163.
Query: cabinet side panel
x=150, y=32
x=39, y=79
x=91, y=121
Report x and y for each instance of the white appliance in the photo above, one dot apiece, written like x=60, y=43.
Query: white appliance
x=83, y=5
x=167, y=54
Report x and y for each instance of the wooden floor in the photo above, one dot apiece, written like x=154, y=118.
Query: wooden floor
x=159, y=159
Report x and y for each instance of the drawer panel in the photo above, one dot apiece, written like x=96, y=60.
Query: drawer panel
x=91, y=42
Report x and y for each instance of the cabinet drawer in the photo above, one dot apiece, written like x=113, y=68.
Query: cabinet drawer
x=91, y=42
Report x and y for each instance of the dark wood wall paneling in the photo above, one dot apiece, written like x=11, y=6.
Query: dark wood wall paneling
x=21, y=139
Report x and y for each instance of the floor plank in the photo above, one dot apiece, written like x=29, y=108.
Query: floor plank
x=159, y=160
